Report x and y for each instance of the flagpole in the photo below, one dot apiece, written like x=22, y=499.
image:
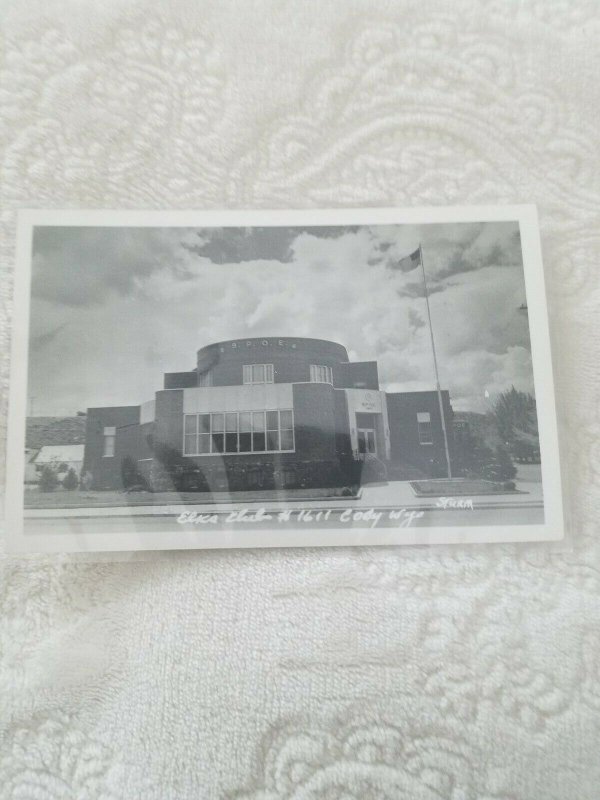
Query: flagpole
x=437, y=377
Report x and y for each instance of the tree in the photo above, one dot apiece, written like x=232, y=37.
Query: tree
x=515, y=415
x=71, y=481
x=479, y=459
x=48, y=479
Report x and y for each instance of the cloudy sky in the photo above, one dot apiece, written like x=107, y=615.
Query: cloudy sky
x=114, y=308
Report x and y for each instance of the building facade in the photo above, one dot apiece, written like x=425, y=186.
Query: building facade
x=272, y=413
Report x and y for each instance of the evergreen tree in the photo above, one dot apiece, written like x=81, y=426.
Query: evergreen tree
x=71, y=481
x=473, y=452
x=515, y=415
x=500, y=467
x=48, y=479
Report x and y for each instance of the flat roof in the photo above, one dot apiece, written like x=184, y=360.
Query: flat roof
x=59, y=452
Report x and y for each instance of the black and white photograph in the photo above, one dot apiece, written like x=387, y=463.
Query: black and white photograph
x=281, y=379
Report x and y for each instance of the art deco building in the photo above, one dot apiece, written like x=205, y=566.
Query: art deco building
x=268, y=413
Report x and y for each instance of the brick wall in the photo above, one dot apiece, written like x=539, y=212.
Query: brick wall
x=314, y=421
x=106, y=471
x=356, y=375
x=134, y=442
x=315, y=461
x=406, y=448
x=180, y=380
x=343, y=443
x=168, y=426
x=291, y=363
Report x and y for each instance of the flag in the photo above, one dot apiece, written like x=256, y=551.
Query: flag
x=409, y=262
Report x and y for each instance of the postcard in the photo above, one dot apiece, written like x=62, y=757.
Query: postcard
x=280, y=379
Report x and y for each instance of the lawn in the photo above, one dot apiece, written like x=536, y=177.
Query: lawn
x=458, y=487
x=115, y=499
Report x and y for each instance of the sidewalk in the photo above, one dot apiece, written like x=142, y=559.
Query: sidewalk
x=396, y=494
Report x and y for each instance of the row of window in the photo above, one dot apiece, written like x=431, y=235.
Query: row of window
x=248, y=432
x=239, y=432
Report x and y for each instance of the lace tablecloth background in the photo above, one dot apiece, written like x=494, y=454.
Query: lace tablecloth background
x=467, y=673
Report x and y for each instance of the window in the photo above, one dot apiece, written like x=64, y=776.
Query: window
x=217, y=422
x=190, y=434
x=205, y=379
x=110, y=435
x=320, y=374
x=258, y=431
x=204, y=433
x=272, y=426
x=245, y=427
x=231, y=432
x=424, y=426
x=286, y=420
x=258, y=373
x=238, y=432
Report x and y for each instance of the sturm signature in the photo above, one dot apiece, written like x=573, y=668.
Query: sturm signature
x=455, y=502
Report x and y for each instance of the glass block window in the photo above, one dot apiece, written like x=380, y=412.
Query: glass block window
x=258, y=373
x=319, y=374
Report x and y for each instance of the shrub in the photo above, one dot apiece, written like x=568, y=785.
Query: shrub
x=477, y=457
x=71, y=481
x=500, y=467
x=129, y=473
x=48, y=479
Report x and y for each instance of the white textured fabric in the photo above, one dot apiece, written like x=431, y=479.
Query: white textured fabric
x=467, y=673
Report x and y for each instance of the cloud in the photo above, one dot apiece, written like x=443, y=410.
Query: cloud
x=175, y=300
x=418, y=290
x=40, y=340
x=449, y=249
x=496, y=244
x=81, y=266
x=415, y=320
x=234, y=245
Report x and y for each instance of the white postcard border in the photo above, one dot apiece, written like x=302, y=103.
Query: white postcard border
x=526, y=215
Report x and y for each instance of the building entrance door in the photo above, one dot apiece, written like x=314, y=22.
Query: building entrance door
x=366, y=441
